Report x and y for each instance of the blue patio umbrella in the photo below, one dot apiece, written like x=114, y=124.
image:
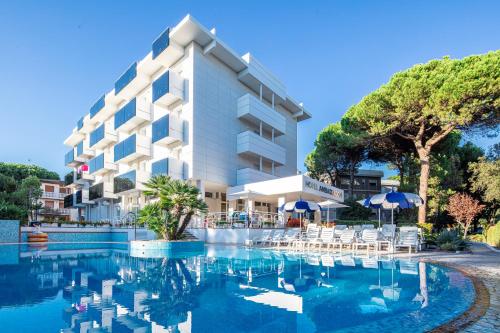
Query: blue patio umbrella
x=395, y=199
x=300, y=206
x=366, y=203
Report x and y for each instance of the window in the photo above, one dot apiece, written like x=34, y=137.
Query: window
x=124, y=182
x=125, y=113
x=160, y=128
x=209, y=195
x=372, y=183
x=49, y=204
x=49, y=188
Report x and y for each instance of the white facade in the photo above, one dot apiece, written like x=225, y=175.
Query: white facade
x=230, y=123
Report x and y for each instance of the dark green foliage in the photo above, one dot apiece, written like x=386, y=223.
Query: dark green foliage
x=355, y=211
x=450, y=240
x=21, y=171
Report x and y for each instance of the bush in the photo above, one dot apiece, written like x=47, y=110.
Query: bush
x=355, y=211
x=450, y=240
x=477, y=238
x=493, y=235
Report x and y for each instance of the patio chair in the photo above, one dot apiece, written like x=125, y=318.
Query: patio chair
x=276, y=237
x=312, y=233
x=369, y=237
x=346, y=239
x=264, y=237
x=290, y=236
x=408, y=238
x=388, y=231
x=367, y=227
x=338, y=230
x=326, y=238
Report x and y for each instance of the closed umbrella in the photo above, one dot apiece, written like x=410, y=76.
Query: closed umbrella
x=330, y=204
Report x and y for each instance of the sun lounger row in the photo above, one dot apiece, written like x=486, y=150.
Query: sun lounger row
x=340, y=238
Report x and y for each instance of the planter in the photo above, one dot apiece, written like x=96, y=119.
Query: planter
x=162, y=248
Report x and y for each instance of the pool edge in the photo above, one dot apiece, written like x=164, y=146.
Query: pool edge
x=475, y=311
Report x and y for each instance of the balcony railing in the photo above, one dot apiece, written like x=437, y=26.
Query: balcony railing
x=83, y=151
x=133, y=114
x=101, y=191
x=102, y=137
x=249, y=175
x=98, y=106
x=167, y=130
x=130, y=83
x=101, y=164
x=256, y=111
x=165, y=51
x=170, y=167
x=53, y=195
x=54, y=211
x=134, y=147
x=250, y=143
x=167, y=89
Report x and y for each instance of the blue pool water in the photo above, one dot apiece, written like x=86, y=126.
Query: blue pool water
x=101, y=288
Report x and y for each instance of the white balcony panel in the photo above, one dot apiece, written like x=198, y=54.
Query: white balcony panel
x=250, y=143
x=256, y=74
x=249, y=175
x=175, y=132
x=74, y=138
x=148, y=66
x=140, y=82
x=110, y=137
x=141, y=177
x=108, y=166
x=107, y=192
x=84, y=178
x=142, y=150
x=255, y=111
x=109, y=109
x=143, y=114
x=173, y=90
x=170, y=55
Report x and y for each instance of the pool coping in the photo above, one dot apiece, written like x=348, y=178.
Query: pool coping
x=475, y=311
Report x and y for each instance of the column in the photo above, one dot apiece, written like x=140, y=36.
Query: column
x=282, y=215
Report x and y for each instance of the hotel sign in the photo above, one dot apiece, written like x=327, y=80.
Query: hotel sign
x=322, y=189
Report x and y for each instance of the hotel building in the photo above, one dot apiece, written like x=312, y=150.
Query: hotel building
x=195, y=110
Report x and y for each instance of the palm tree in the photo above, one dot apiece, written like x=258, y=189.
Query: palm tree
x=177, y=202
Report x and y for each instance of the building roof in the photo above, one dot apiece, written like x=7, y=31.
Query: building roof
x=367, y=173
x=52, y=181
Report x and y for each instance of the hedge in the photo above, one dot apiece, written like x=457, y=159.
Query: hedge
x=493, y=235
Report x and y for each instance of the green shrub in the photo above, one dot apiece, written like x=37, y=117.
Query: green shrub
x=355, y=211
x=450, y=240
x=493, y=235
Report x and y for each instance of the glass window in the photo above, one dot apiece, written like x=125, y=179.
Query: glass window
x=161, y=86
x=79, y=148
x=79, y=124
x=96, y=191
x=78, y=197
x=124, y=182
x=161, y=43
x=97, y=163
x=96, y=135
x=69, y=157
x=159, y=167
x=125, y=113
x=97, y=106
x=160, y=128
x=126, y=78
x=124, y=148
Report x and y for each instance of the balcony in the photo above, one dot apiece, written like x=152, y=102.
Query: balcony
x=250, y=143
x=130, y=83
x=81, y=198
x=70, y=159
x=168, y=89
x=82, y=177
x=132, y=148
x=165, y=51
x=83, y=151
x=102, y=109
x=102, y=137
x=75, y=137
x=53, y=195
x=131, y=181
x=169, y=166
x=54, y=211
x=101, y=191
x=101, y=164
x=167, y=130
x=133, y=114
x=249, y=175
x=254, y=111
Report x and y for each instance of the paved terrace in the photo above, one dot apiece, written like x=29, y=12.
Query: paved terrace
x=484, y=264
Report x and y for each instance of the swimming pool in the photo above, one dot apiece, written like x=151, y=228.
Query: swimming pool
x=101, y=288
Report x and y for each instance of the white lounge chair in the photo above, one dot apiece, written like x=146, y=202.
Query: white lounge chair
x=327, y=260
x=338, y=229
x=369, y=237
x=288, y=238
x=312, y=233
x=408, y=238
x=276, y=237
x=264, y=237
x=346, y=238
x=326, y=238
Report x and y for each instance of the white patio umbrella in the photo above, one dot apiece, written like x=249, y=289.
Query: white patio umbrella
x=331, y=204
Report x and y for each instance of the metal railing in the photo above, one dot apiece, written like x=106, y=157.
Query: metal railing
x=238, y=219
x=54, y=211
x=54, y=195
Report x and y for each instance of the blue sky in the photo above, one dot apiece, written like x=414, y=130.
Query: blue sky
x=58, y=57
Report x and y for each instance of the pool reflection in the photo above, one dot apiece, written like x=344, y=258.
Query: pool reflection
x=223, y=289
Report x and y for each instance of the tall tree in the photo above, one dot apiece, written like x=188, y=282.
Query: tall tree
x=31, y=191
x=425, y=103
x=339, y=148
x=485, y=181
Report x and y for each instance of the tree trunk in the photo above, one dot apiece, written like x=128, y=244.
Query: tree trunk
x=424, y=156
x=351, y=182
x=184, y=224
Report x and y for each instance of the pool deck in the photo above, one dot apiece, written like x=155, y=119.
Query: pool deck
x=481, y=263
